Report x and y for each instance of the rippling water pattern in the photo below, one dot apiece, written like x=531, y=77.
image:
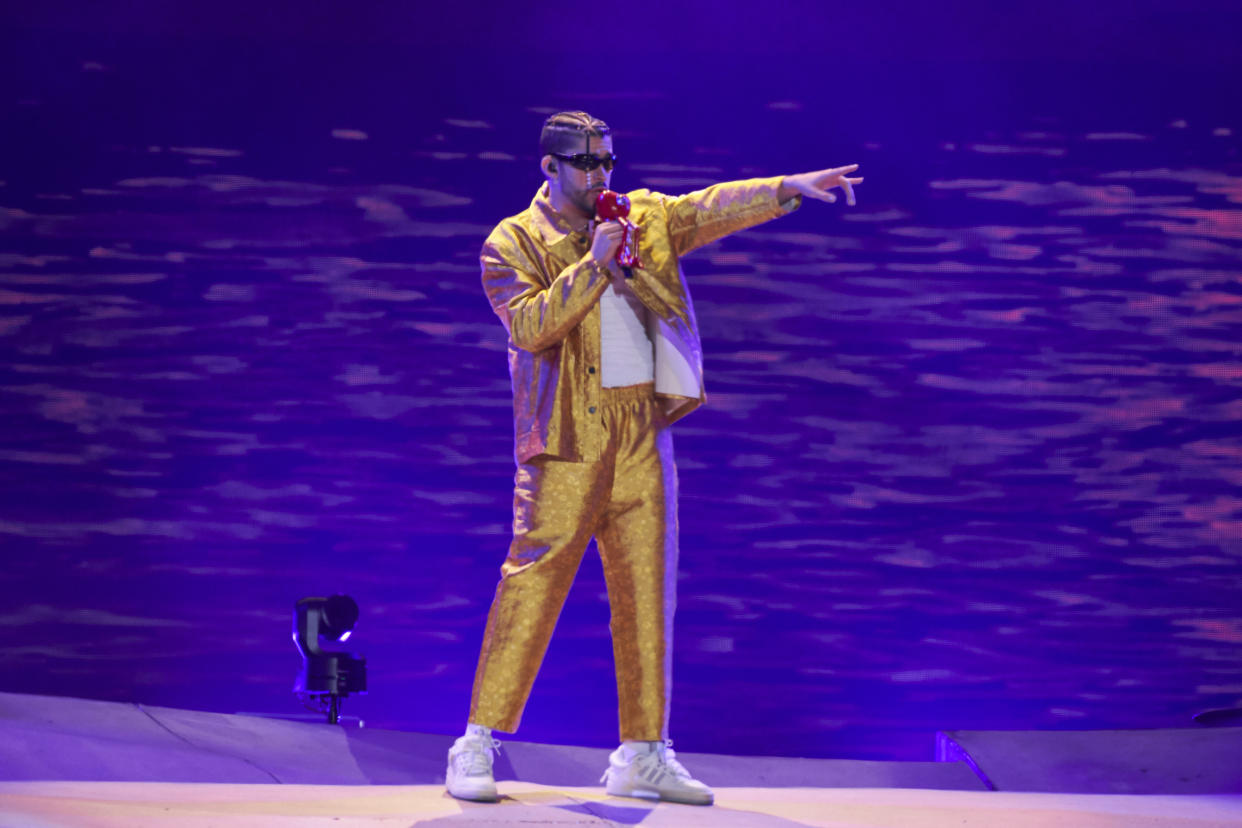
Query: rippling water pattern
x=971, y=455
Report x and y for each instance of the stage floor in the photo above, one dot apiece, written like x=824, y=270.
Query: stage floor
x=66, y=763
x=198, y=805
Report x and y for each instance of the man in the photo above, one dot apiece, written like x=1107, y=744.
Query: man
x=603, y=359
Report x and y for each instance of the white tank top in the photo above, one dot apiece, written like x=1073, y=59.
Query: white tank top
x=625, y=347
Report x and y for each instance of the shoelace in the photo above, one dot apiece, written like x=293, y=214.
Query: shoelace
x=663, y=754
x=668, y=757
x=477, y=759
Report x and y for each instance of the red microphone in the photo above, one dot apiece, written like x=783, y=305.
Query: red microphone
x=614, y=205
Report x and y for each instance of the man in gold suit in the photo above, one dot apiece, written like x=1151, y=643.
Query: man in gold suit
x=603, y=359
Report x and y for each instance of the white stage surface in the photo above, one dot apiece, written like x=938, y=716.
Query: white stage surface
x=199, y=805
x=66, y=763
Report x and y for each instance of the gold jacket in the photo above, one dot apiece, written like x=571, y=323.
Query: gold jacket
x=546, y=290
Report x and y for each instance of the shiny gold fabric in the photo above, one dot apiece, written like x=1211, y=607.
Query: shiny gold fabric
x=594, y=461
x=545, y=289
x=627, y=499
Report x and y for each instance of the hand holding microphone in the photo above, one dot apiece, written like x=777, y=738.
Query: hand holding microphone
x=606, y=243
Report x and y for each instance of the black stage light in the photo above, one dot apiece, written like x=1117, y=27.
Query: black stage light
x=1225, y=717
x=327, y=675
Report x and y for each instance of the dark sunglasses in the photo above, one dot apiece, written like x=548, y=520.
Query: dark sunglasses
x=586, y=162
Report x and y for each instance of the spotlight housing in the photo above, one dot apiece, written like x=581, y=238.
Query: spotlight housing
x=327, y=675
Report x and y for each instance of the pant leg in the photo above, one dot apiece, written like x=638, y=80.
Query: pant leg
x=637, y=540
x=556, y=507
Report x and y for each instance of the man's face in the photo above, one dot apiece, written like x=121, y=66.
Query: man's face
x=581, y=187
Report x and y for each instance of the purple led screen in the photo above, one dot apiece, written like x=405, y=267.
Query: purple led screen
x=971, y=456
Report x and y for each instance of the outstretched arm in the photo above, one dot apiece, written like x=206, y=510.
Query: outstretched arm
x=698, y=218
x=817, y=184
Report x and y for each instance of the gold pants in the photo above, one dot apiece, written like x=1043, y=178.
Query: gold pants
x=627, y=500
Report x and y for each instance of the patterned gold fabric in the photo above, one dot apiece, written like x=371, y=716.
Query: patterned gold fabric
x=627, y=499
x=545, y=289
x=595, y=461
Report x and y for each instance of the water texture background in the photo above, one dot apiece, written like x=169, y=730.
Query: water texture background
x=971, y=457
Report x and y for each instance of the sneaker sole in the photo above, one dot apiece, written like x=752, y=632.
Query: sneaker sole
x=656, y=796
x=476, y=797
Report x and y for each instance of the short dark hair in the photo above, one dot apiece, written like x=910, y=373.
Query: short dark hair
x=562, y=130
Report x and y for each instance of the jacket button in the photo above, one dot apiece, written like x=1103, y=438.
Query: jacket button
x=591, y=369
x=591, y=410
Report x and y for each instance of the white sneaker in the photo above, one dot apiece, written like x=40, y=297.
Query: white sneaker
x=655, y=774
x=469, y=773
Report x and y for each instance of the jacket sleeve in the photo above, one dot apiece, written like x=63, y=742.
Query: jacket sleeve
x=701, y=217
x=537, y=317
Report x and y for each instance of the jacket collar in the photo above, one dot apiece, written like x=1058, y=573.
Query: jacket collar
x=550, y=225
